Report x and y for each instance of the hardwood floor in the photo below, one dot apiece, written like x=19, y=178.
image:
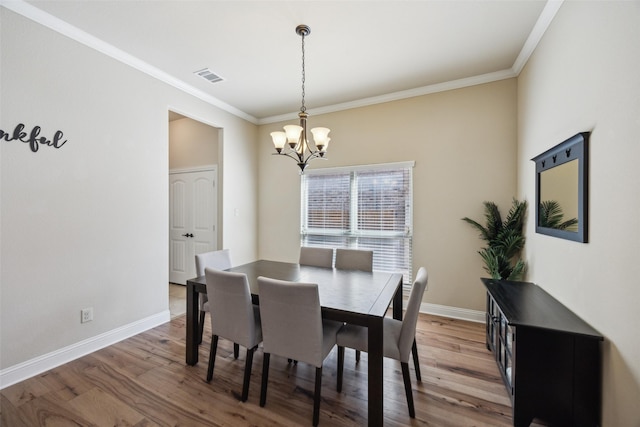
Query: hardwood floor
x=144, y=381
x=177, y=299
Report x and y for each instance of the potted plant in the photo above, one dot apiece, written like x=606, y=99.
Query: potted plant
x=505, y=240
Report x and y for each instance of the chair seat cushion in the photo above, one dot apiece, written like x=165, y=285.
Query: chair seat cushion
x=356, y=337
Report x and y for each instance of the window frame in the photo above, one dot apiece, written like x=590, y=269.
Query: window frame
x=353, y=233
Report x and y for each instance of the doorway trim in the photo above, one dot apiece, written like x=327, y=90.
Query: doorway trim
x=210, y=172
x=206, y=168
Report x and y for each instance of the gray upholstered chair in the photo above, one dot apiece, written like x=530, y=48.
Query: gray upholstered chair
x=317, y=257
x=220, y=260
x=293, y=328
x=233, y=317
x=399, y=338
x=354, y=259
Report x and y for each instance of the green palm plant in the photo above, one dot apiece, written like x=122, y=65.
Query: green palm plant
x=505, y=240
x=551, y=215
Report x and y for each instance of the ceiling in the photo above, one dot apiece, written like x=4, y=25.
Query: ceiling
x=358, y=52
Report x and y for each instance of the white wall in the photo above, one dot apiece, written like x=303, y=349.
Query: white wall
x=86, y=225
x=464, y=146
x=584, y=76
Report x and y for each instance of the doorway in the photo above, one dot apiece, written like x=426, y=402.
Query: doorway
x=194, y=149
x=192, y=220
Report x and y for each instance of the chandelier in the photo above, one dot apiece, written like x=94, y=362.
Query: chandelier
x=299, y=147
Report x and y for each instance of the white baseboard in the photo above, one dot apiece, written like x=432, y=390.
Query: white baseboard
x=40, y=364
x=453, y=312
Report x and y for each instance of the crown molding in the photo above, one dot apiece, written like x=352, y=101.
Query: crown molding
x=396, y=96
x=539, y=29
x=541, y=26
x=31, y=12
x=56, y=24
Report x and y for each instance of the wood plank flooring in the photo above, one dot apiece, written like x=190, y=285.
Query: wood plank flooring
x=177, y=299
x=144, y=381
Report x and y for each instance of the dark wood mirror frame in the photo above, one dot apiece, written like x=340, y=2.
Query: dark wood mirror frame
x=574, y=148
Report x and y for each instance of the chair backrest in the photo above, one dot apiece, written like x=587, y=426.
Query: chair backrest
x=232, y=315
x=408, y=330
x=354, y=259
x=220, y=260
x=291, y=320
x=318, y=257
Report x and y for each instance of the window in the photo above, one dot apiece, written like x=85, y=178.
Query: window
x=362, y=207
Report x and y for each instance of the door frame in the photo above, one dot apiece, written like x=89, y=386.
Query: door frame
x=205, y=168
x=219, y=168
x=219, y=165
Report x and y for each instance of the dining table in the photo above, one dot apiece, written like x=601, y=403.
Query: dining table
x=351, y=296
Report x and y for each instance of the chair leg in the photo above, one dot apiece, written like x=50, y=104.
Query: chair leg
x=212, y=357
x=340, y=367
x=201, y=325
x=357, y=356
x=247, y=373
x=316, y=396
x=265, y=378
x=416, y=362
x=236, y=350
x=407, y=388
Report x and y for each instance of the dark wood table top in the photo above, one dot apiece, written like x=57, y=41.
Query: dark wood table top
x=354, y=291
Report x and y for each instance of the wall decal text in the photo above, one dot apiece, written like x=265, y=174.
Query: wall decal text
x=33, y=138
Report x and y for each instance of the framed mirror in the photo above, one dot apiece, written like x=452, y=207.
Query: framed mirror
x=562, y=189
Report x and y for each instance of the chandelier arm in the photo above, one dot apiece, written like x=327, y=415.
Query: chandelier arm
x=288, y=154
x=311, y=151
x=313, y=155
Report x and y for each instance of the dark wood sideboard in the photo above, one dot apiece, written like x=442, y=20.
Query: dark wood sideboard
x=549, y=358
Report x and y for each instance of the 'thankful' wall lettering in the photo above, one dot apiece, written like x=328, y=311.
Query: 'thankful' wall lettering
x=33, y=138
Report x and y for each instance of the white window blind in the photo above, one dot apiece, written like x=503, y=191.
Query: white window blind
x=363, y=207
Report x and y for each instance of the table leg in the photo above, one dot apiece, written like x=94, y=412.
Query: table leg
x=397, y=303
x=192, y=325
x=375, y=377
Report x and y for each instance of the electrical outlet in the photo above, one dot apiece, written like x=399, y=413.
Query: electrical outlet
x=86, y=315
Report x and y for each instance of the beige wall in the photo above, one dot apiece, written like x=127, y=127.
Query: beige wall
x=584, y=76
x=86, y=225
x=464, y=146
x=192, y=144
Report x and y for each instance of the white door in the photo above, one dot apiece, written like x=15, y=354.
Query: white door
x=192, y=220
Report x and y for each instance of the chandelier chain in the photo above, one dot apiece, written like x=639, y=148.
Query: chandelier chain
x=293, y=142
x=303, y=108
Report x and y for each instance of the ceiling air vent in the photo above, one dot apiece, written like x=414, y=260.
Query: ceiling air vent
x=208, y=75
